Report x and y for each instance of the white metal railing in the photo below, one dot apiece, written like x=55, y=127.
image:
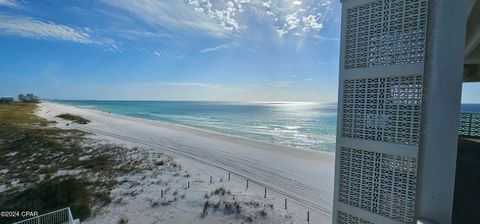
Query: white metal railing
x=61, y=216
x=469, y=124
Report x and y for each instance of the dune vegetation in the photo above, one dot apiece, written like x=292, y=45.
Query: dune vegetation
x=43, y=168
x=75, y=118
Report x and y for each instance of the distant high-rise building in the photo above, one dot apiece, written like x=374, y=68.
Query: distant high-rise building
x=6, y=99
x=29, y=97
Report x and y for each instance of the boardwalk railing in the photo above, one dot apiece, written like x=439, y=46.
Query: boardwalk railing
x=62, y=216
x=469, y=124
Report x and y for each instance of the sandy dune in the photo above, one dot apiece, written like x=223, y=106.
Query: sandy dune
x=304, y=176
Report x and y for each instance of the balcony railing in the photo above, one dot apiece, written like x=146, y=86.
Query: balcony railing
x=62, y=216
x=469, y=124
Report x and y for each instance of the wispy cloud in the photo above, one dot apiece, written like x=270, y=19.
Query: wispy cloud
x=286, y=17
x=216, y=48
x=131, y=34
x=170, y=15
x=9, y=3
x=161, y=53
x=29, y=27
x=225, y=18
x=322, y=38
x=191, y=84
x=297, y=18
x=181, y=56
x=152, y=21
x=281, y=83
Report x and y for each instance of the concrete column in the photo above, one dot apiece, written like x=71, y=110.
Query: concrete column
x=441, y=109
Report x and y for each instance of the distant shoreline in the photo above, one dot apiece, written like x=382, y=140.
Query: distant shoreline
x=307, y=175
x=199, y=131
x=314, y=140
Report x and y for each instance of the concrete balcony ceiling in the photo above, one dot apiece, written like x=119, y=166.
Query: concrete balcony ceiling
x=471, y=71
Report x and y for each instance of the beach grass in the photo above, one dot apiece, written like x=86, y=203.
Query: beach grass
x=52, y=194
x=42, y=169
x=74, y=118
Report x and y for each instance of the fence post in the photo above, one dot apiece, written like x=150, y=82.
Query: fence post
x=308, y=216
x=285, y=203
x=210, y=179
x=188, y=184
x=247, y=183
x=228, y=176
x=265, y=195
x=161, y=193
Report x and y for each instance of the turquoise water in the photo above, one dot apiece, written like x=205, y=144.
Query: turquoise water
x=300, y=125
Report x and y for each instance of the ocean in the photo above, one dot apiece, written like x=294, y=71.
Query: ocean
x=297, y=124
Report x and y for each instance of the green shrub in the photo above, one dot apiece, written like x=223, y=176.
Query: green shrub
x=49, y=196
x=74, y=118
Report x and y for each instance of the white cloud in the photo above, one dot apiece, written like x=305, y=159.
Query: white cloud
x=292, y=21
x=299, y=18
x=322, y=38
x=236, y=45
x=216, y=48
x=164, y=19
x=281, y=83
x=226, y=18
x=163, y=53
x=191, y=84
x=311, y=22
x=266, y=84
x=296, y=2
x=131, y=34
x=225, y=13
x=169, y=14
x=181, y=56
x=9, y=3
x=281, y=32
x=29, y=27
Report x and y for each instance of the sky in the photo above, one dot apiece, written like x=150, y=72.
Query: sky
x=233, y=50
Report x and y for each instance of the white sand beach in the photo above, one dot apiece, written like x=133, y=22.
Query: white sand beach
x=305, y=177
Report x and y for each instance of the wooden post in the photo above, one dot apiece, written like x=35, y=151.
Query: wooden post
x=161, y=193
x=308, y=216
x=228, y=176
x=247, y=183
x=285, y=203
x=265, y=195
x=210, y=179
x=188, y=184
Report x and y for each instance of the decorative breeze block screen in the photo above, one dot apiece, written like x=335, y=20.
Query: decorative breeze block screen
x=385, y=32
x=378, y=182
x=469, y=124
x=383, y=109
x=345, y=218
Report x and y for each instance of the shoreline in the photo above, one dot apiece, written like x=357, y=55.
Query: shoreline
x=305, y=176
x=199, y=131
